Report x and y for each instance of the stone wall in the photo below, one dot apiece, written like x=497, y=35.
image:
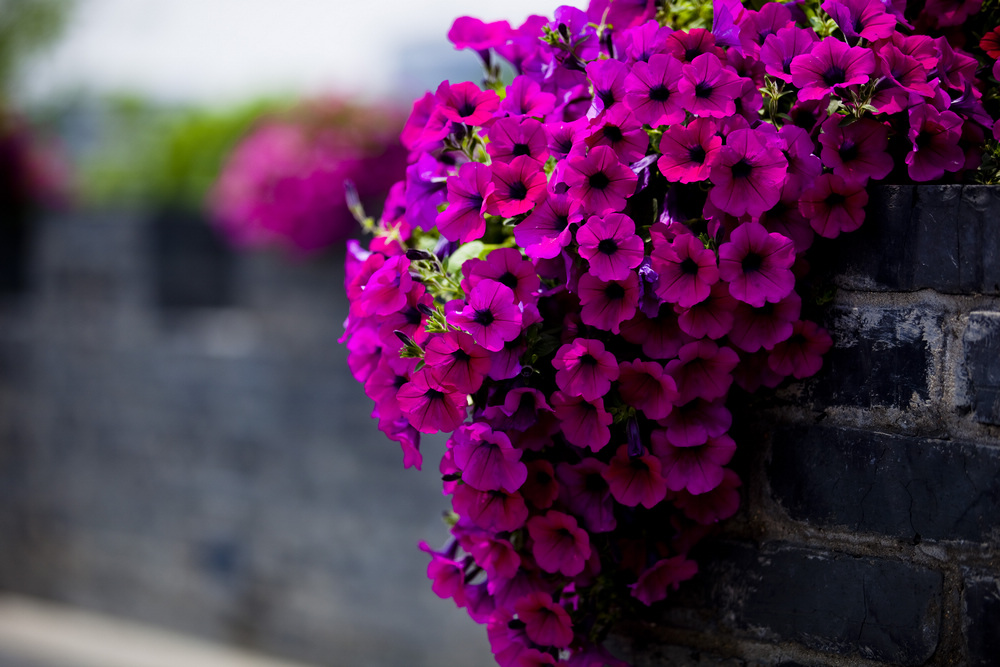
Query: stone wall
x=181, y=443
x=870, y=530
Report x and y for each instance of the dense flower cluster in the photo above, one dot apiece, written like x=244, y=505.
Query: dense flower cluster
x=579, y=267
x=283, y=183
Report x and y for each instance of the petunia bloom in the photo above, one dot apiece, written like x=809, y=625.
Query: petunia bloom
x=757, y=265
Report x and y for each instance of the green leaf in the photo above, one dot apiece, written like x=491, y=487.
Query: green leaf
x=466, y=251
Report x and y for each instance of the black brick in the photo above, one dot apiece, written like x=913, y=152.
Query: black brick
x=982, y=621
x=893, y=485
x=941, y=237
x=880, y=357
x=982, y=364
x=831, y=602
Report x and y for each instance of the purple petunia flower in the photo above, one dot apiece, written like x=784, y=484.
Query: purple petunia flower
x=748, y=175
x=635, y=480
x=546, y=231
x=702, y=370
x=468, y=190
x=666, y=574
x=600, y=181
x=829, y=65
x=861, y=19
x=606, y=304
x=651, y=91
x=781, y=48
x=585, y=369
x=546, y=622
x=514, y=137
x=687, y=270
x=934, y=138
x=757, y=265
x=559, y=544
x=834, y=205
x=491, y=316
x=518, y=186
x=487, y=459
x=429, y=406
x=608, y=79
x=610, y=246
x=466, y=103
x=584, y=423
x=688, y=153
x=802, y=354
x=707, y=88
x=856, y=151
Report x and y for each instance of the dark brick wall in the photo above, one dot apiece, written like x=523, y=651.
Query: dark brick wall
x=183, y=444
x=870, y=526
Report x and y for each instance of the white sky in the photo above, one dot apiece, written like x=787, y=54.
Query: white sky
x=226, y=50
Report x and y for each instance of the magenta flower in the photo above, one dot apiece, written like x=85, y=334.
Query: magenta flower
x=660, y=337
x=495, y=555
x=430, y=407
x=468, y=190
x=506, y=266
x=541, y=488
x=546, y=231
x=934, y=137
x=600, y=181
x=635, y=480
x=652, y=93
x=645, y=386
x=693, y=423
x=697, y=469
x=606, y=304
x=546, y=622
x=856, y=151
x=608, y=78
x=781, y=48
x=466, y=103
x=757, y=265
x=686, y=45
x=711, y=318
x=802, y=354
x=702, y=370
x=514, y=137
x=559, y=544
x=834, y=205
x=687, y=270
x=585, y=369
x=829, y=65
x=666, y=574
x=689, y=153
x=491, y=316
x=517, y=186
x=803, y=165
x=619, y=130
x=861, y=19
x=610, y=245
x=748, y=175
x=524, y=97
x=584, y=423
x=766, y=326
x=487, y=459
x=714, y=506
x=584, y=491
x=495, y=510
x=707, y=88
x=447, y=575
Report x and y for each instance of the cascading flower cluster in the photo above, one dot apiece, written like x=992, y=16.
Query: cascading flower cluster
x=580, y=265
x=282, y=185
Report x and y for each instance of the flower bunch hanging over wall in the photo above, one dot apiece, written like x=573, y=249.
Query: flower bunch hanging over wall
x=580, y=266
x=282, y=185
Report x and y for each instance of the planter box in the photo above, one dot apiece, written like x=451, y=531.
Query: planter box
x=870, y=528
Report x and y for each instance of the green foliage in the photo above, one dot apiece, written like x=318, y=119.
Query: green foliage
x=150, y=154
x=25, y=27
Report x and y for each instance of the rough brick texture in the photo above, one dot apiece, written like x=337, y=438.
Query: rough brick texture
x=940, y=237
x=982, y=359
x=870, y=527
x=898, y=486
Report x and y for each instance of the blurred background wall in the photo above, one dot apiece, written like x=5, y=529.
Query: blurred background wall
x=181, y=442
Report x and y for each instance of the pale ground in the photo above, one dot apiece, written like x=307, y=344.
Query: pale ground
x=41, y=634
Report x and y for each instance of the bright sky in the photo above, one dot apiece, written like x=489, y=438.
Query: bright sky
x=226, y=50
